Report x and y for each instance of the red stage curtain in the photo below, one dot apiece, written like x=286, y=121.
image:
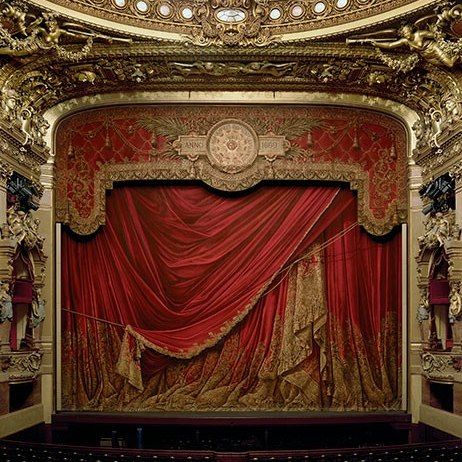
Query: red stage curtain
x=363, y=282
x=182, y=266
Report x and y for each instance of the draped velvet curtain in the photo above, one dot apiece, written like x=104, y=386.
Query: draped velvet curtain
x=190, y=300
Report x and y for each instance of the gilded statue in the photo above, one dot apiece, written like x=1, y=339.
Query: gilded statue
x=438, y=229
x=424, y=42
x=428, y=38
x=33, y=34
x=24, y=228
x=6, y=304
x=455, y=300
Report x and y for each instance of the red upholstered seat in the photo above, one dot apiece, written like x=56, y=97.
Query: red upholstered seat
x=439, y=292
x=22, y=291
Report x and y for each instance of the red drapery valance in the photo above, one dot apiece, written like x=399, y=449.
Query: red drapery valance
x=97, y=147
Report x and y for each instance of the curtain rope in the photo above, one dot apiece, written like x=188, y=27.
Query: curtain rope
x=105, y=321
x=326, y=244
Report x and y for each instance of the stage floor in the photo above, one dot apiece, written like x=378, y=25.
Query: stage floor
x=249, y=431
x=227, y=418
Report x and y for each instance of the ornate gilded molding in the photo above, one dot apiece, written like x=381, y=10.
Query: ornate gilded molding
x=231, y=22
x=456, y=169
x=287, y=67
x=273, y=17
x=154, y=69
x=441, y=160
x=29, y=87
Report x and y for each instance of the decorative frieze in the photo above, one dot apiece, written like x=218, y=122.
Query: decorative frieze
x=232, y=145
x=20, y=366
x=442, y=366
x=259, y=18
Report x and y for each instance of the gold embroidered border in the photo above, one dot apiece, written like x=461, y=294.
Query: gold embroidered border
x=260, y=171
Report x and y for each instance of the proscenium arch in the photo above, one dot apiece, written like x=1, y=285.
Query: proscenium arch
x=406, y=116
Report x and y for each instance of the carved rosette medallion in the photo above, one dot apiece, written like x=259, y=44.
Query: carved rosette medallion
x=232, y=146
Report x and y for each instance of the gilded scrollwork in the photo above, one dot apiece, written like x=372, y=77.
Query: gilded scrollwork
x=442, y=366
x=20, y=366
x=216, y=30
x=439, y=365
